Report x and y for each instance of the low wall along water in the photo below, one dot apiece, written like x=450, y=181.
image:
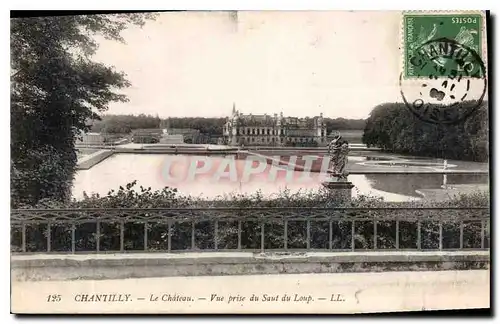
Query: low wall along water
x=88, y=161
x=121, y=266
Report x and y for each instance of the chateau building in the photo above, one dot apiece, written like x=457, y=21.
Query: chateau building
x=267, y=130
x=189, y=135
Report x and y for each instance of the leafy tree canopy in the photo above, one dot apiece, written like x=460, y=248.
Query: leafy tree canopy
x=55, y=90
x=392, y=127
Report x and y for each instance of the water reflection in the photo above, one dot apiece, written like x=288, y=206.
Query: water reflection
x=407, y=184
x=150, y=170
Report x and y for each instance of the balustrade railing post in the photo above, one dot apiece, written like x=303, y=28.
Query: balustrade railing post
x=397, y=234
x=419, y=228
x=73, y=238
x=216, y=234
x=353, y=232
x=374, y=234
x=440, y=235
x=239, y=235
x=285, y=234
x=169, y=235
x=262, y=236
x=23, y=237
x=482, y=234
x=48, y=236
x=122, y=236
x=98, y=236
x=330, y=235
x=192, y=235
x=145, y=236
x=461, y=235
x=308, y=233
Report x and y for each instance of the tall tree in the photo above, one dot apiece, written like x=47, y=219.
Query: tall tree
x=394, y=128
x=55, y=90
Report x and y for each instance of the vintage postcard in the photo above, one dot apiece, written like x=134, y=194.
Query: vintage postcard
x=309, y=162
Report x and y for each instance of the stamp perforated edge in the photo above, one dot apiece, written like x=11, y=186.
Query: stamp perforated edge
x=483, y=43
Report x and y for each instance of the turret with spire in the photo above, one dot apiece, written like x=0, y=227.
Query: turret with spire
x=234, y=126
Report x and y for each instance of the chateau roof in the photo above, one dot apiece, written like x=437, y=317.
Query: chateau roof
x=271, y=120
x=256, y=120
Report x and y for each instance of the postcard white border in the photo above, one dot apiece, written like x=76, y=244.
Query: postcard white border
x=205, y=5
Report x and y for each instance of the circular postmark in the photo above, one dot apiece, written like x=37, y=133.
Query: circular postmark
x=450, y=82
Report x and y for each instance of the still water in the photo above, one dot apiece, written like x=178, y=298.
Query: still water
x=219, y=175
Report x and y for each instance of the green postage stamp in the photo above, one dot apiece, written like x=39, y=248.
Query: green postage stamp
x=437, y=45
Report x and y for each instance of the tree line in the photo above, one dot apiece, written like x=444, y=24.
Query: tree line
x=211, y=126
x=344, y=124
x=124, y=124
x=392, y=127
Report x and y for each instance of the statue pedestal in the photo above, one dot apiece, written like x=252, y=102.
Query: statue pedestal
x=340, y=191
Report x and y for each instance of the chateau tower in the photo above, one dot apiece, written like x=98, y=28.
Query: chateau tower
x=234, y=126
x=319, y=128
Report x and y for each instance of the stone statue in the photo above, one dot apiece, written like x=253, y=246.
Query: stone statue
x=338, y=150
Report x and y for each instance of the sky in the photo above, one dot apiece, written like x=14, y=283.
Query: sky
x=339, y=63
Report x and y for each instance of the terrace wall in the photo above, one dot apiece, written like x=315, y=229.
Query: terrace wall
x=144, y=265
